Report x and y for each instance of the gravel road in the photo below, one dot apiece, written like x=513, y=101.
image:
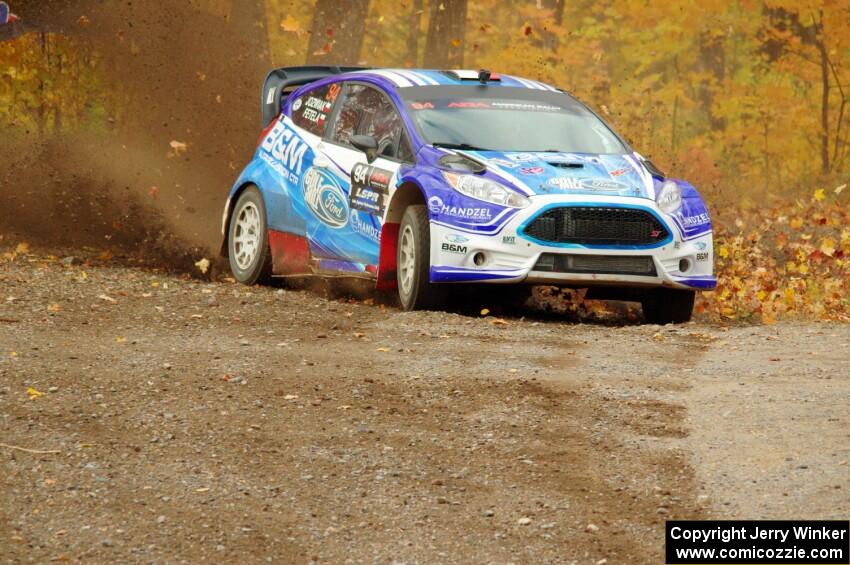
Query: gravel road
x=189, y=420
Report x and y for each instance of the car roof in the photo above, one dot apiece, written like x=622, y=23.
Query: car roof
x=407, y=78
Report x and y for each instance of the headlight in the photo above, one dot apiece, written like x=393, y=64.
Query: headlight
x=669, y=197
x=486, y=190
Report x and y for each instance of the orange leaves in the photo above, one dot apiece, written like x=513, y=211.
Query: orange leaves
x=770, y=267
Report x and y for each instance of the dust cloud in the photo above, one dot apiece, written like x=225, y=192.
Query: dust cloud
x=186, y=72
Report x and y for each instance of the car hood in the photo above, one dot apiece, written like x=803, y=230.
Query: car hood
x=570, y=173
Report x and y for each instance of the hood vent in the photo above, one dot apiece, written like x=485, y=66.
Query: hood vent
x=564, y=165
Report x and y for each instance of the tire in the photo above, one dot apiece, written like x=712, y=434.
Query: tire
x=248, y=239
x=668, y=306
x=413, y=263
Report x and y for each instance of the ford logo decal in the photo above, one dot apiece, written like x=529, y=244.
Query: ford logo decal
x=325, y=198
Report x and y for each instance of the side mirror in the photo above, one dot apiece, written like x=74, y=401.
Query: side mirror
x=367, y=144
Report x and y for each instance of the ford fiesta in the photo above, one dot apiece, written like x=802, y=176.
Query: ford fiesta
x=418, y=179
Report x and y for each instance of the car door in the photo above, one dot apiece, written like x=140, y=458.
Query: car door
x=363, y=110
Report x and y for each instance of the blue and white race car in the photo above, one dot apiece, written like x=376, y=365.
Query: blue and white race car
x=417, y=179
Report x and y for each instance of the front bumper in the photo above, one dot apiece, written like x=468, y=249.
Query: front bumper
x=507, y=255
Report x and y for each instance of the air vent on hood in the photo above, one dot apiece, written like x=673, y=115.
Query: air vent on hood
x=564, y=165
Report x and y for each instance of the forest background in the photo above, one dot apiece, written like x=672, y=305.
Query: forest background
x=123, y=124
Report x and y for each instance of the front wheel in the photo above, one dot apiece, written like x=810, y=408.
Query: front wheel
x=248, y=239
x=413, y=262
x=668, y=306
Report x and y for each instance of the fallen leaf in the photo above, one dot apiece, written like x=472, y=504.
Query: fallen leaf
x=382, y=349
x=485, y=311
x=178, y=147
x=291, y=25
x=33, y=393
x=22, y=247
x=819, y=195
x=106, y=298
x=827, y=246
x=838, y=189
x=499, y=322
x=203, y=265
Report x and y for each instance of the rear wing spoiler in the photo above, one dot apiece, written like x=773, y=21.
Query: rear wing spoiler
x=281, y=82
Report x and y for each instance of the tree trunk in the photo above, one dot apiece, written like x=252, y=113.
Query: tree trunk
x=249, y=20
x=446, y=29
x=413, y=34
x=557, y=8
x=337, y=32
x=824, y=104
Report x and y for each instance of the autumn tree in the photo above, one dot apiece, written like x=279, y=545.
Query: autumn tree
x=446, y=30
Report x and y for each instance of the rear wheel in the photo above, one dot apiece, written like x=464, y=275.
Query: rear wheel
x=668, y=306
x=413, y=262
x=248, y=239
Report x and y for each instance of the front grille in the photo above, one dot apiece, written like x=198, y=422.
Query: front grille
x=597, y=226
x=596, y=264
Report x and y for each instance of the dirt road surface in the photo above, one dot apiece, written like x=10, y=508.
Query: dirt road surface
x=187, y=420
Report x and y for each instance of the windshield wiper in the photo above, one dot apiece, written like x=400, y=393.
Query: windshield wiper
x=466, y=146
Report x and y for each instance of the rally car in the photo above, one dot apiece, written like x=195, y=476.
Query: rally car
x=418, y=179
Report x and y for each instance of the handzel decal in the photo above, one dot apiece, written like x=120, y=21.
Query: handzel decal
x=694, y=221
x=325, y=198
x=369, y=188
x=364, y=226
x=438, y=207
x=284, y=151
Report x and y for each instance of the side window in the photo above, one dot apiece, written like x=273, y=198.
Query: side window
x=365, y=111
x=310, y=111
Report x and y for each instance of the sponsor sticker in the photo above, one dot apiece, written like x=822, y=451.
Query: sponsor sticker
x=601, y=185
x=702, y=256
x=694, y=221
x=566, y=183
x=369, y=188
x=509, y=239
x=503, y=163
x=701, y=245
x=531, y=170
x=364, y=225
x=284, y=151
x=521, y=157
x=456, y=238
x=325, y=198
x=619, y=172
x=437, y=206
x=454, y=248
x=296, y=105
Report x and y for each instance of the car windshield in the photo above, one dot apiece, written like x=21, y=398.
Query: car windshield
x=508, y=119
